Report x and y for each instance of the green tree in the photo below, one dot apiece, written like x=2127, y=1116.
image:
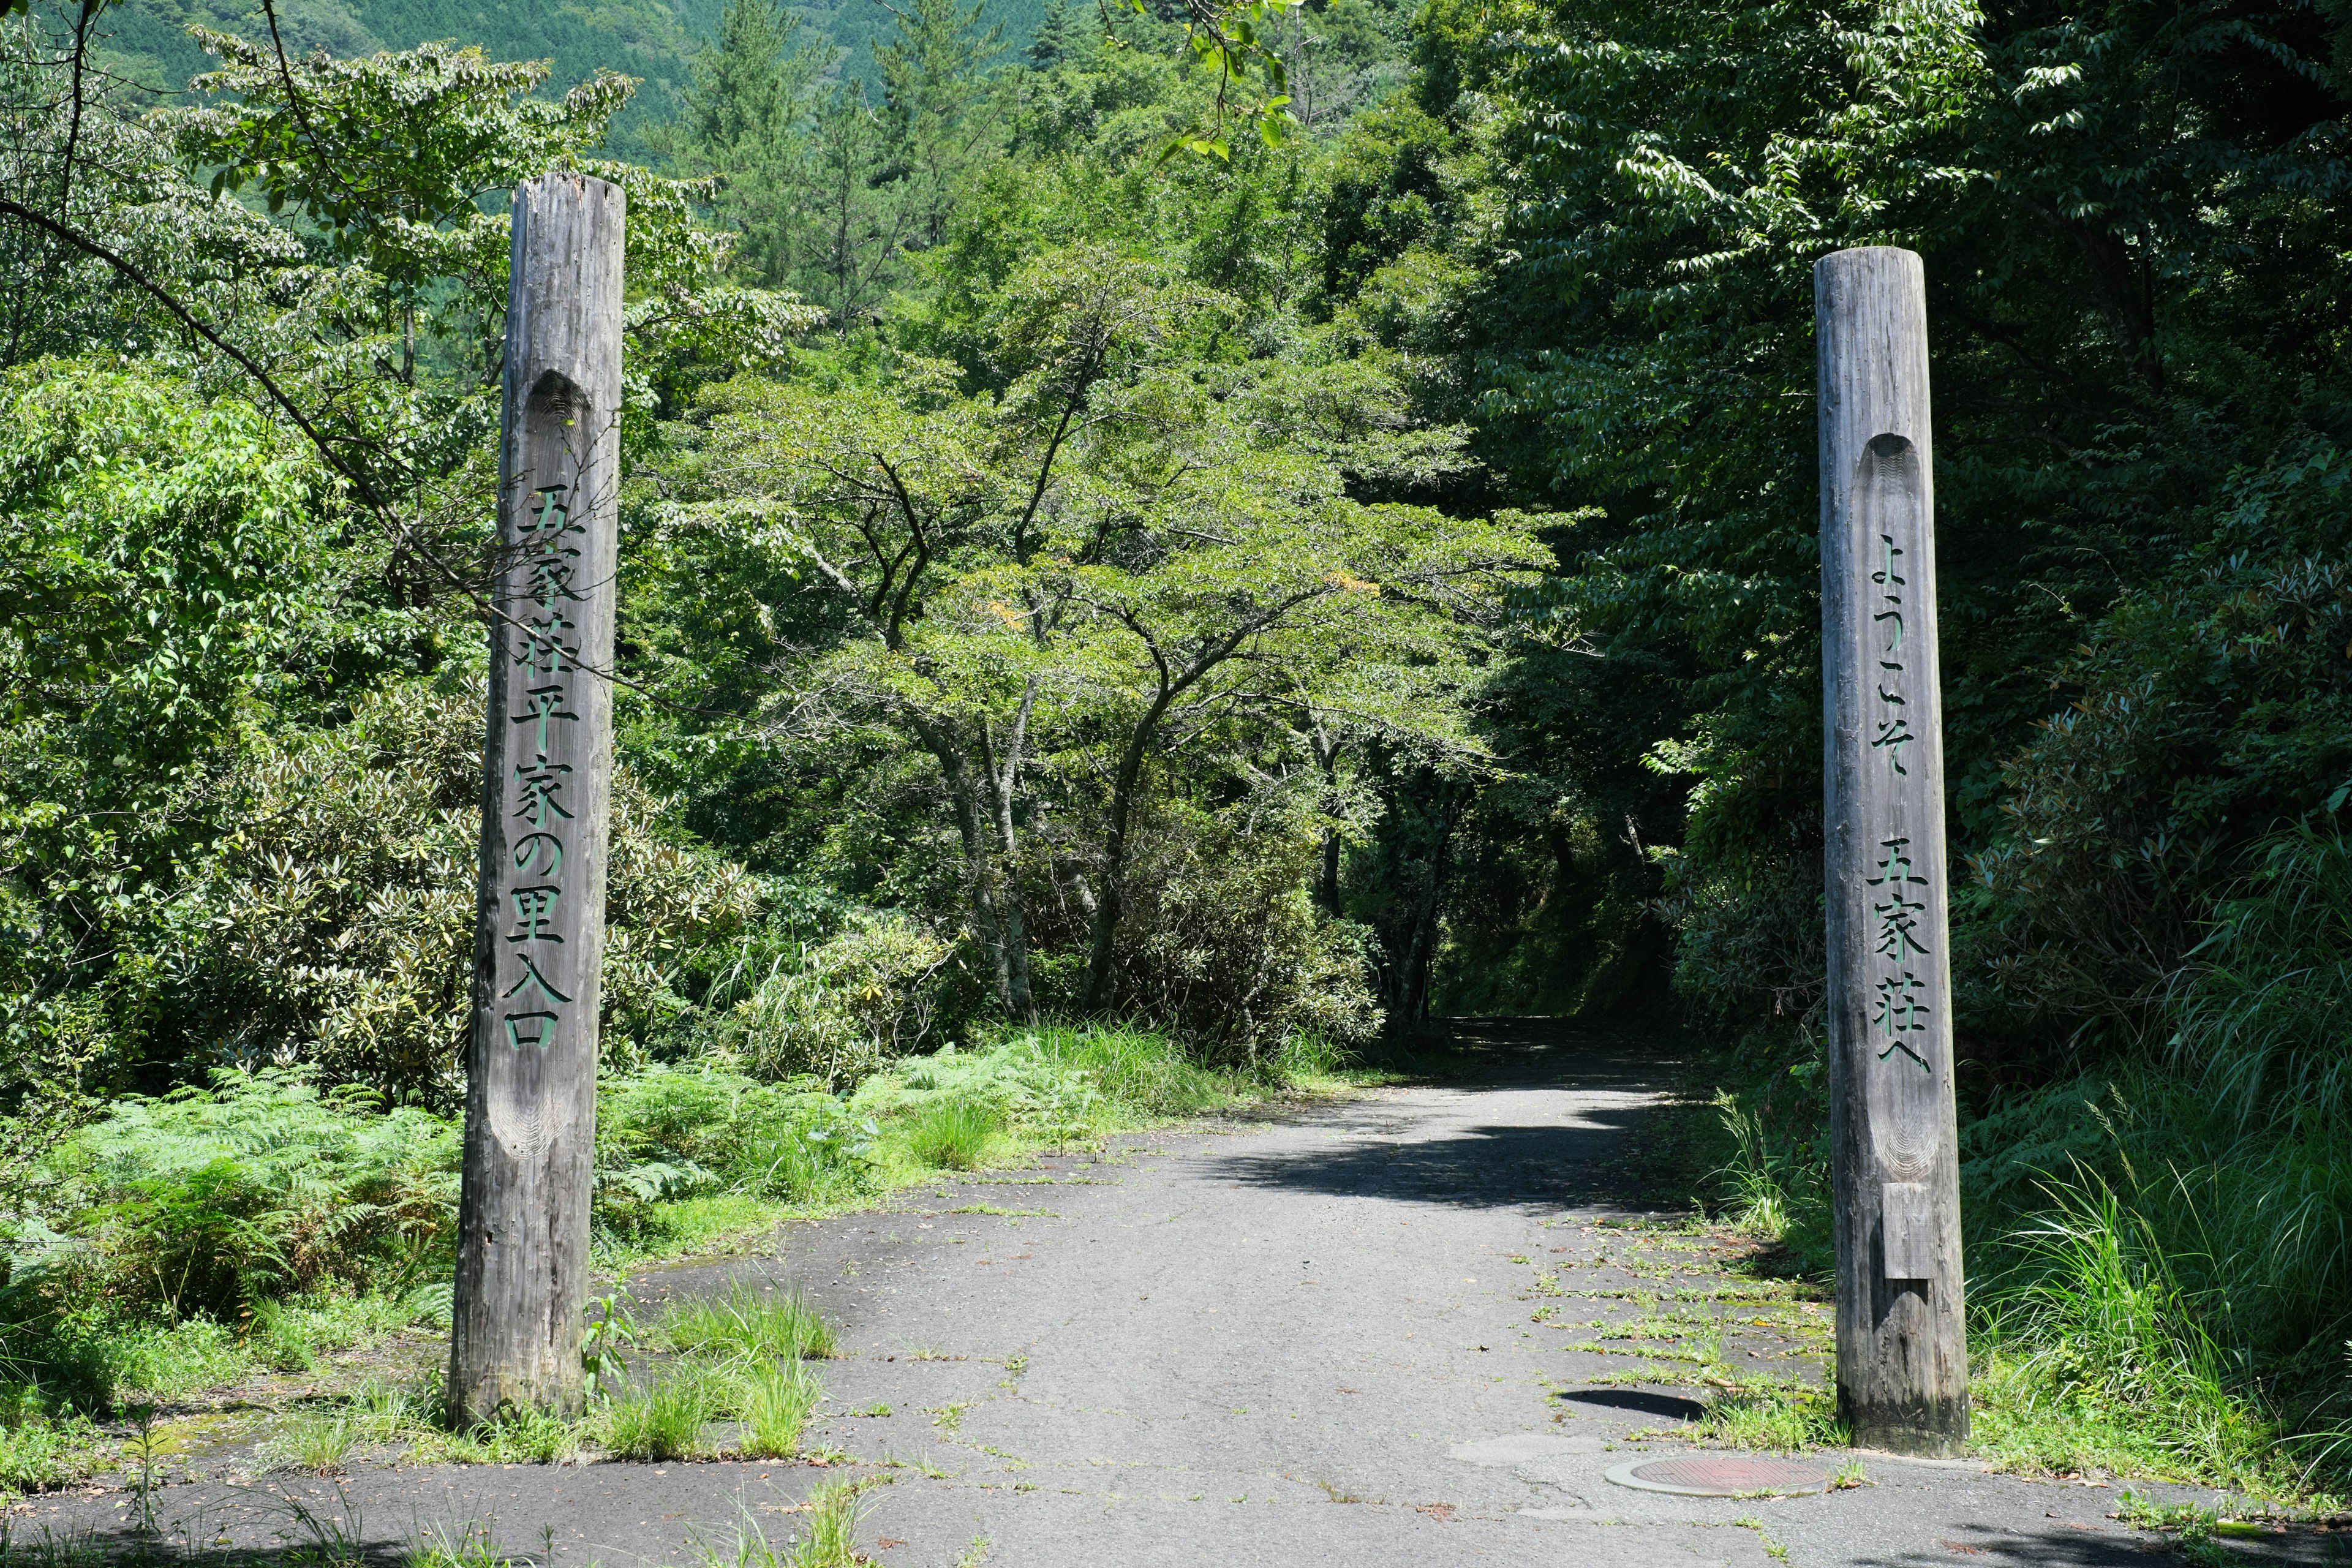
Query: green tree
x=392, y=156
x=938, y=107
x=1053, y=593
x=745, y=115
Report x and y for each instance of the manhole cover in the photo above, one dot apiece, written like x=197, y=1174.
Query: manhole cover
x=1722, y=1475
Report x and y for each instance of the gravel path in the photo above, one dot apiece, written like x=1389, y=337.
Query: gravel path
x=1339, y=1336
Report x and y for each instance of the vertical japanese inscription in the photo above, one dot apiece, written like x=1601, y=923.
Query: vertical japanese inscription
x=530, y=1063
x=1905, y=909
x=538, y=699
x=1902, y=1362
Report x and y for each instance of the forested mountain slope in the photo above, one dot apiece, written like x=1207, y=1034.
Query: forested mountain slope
x=650, y=39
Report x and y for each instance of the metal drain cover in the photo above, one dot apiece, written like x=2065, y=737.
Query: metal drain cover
x=1722, y=1475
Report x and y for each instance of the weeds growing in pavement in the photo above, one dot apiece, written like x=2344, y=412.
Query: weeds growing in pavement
x=520, y=1437
x=470, y=1547
x=748, y=1320
x=829, y=1539
x=778, y=1399
x=660, y=1420
x=825, y=1534
x=1771, y=1416
x=319, y=1443
x=22, y=1548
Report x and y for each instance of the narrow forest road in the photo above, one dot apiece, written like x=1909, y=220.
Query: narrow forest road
x=1339, y=1336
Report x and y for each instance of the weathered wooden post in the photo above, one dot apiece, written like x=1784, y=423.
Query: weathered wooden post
x=1902, y=1348
x=531, y=1093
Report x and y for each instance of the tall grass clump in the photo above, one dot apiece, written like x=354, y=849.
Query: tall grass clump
x=1143, y=1073
x=663, y=1419
x=2167, y=1276
x=779, y=1397
x=775, y=1325
x=1773, y=1417
x=955, y=1132
x=827, y=1536
x=1774, y=1186
x=2100, y=1357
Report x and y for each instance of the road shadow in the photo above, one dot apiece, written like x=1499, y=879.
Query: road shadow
x=1479, y=1167
x=1551, y=1153
x=2055, y=1548
x=1637, y=1402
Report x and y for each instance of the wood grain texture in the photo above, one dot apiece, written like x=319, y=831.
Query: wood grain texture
x=1902, y=1351
x=530, y=1096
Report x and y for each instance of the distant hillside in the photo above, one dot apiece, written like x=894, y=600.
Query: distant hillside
x=650, y=39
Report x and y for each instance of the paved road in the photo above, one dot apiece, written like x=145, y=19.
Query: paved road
x=1335, y=1337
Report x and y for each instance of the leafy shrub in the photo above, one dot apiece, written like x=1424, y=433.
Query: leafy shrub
x=1222, y=943
x=2216, y=706
x=337, y=928
x=838, y=1010
x=1019, y=1080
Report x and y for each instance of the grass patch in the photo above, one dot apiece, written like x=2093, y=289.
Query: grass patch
x=524, y=1437
x=774, y=1324
x=45, y=1548
x=702, y=1224
x=660, y=1420
x=1778, y=1416
x=318, y=1444
x=471, y=1547
x=39, y=1452
x=955, y=1132
x=825, y=1534
x=778, y=1399
x=1144, y=1076
x=2093, y=1357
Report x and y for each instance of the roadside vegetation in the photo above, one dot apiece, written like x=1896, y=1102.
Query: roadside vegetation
x=2152, y=1274
x=260, y=1233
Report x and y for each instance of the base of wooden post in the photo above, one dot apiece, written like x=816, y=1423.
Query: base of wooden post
x=1937, y=1429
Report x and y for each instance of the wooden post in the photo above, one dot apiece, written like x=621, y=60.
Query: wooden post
x=530, y=1092
x=1902, y=1347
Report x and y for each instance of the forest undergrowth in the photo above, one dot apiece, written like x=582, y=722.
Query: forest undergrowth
x=261, y=1239
x=2157, y=1251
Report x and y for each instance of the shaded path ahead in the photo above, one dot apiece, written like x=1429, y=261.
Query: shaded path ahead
x=1339, y=1336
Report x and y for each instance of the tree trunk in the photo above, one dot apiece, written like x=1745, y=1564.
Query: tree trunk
x=998, y=918
x=1110, y=903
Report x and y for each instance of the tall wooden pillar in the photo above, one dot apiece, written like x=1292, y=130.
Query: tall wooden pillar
x=1902, y=1347
x=530, y=1095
